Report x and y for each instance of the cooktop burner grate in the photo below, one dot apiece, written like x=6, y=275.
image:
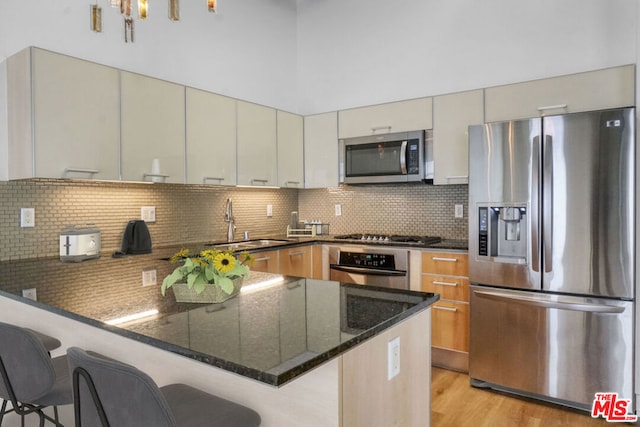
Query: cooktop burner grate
x=389, y=238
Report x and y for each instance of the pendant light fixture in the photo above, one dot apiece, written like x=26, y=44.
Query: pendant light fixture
x=125, y=8
x=174, y=10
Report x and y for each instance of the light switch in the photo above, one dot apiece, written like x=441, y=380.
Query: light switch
x=393, y=358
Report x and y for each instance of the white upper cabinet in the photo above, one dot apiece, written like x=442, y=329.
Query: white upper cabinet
x=414, y=114
x=594, y=90
x=211, y=138
x=290, y=150
x=321, y=150
x=63, y=117
x=257, y=149
x=452, y=115
x=153, y=127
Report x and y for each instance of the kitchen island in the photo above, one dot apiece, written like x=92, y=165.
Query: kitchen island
x=298, y=351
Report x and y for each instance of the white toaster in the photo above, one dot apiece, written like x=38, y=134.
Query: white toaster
x=79, y=244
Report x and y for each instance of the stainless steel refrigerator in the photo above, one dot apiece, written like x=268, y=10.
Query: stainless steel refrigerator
x=551, y=255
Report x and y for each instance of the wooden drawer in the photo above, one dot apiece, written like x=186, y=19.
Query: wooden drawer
x=450, y=325
x=445, y=263
x=267, y=262
x=296, y=261
x=449, y=288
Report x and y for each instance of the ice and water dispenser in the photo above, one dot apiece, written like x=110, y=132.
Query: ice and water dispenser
x=503, y=233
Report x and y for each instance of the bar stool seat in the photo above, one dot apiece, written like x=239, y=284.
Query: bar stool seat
x=29, y=378
x=111, y=393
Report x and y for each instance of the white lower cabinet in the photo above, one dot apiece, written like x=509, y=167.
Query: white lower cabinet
x=210, y=138
x=153, y=129
x=257, y=147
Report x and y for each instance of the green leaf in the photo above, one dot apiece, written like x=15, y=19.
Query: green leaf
x=226, y=285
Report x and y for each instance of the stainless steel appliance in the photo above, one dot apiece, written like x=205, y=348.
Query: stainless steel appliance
x=372, y=238
x=390, y=158
x=79, y=244
x=365, y=265
x=551, y=255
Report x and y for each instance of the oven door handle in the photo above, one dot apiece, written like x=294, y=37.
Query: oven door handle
x=369, y=271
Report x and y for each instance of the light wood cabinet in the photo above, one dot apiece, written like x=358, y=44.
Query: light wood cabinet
x=296, y=261
x=447, y=273
x=63, y=116
x=413, y=114
x=267, y=262
x=257, y=150
x=593, y=90
x=290, y=150
x=452, y=115
x=321, y=150
x=210, y=138
x=153, y=127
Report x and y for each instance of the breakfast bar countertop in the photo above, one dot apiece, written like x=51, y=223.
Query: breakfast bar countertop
x=276, y=329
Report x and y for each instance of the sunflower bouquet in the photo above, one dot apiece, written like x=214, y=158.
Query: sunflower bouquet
x=210, y=267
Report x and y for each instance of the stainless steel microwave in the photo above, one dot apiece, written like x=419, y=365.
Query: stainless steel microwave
x=390, y=158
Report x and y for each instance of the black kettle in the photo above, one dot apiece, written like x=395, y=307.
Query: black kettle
x=136, y=239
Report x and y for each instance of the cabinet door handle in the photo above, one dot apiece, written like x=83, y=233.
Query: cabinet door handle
x=267, y=258
x=211, y=178
x=552, y=107
x=296, y=183
x=445, y=308
x=80, y=170
x=297, y=253
x=436, y=258
x=458, y=177
x=377, y=128
x=259, y=181
x=435, y=282
x=154, y=175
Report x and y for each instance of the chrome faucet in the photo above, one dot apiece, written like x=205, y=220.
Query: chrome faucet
x=228, y=218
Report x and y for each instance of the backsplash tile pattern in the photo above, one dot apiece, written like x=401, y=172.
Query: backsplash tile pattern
x=194, y=213
x=184, y=213
x=412, y=209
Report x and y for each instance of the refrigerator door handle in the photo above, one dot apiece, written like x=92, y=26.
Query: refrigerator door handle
x=547, y=202
x=535, y=205
x=545, y=303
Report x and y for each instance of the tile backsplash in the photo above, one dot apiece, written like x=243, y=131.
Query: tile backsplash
x=411, y=209
x=194, y=213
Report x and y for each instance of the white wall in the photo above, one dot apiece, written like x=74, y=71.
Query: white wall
x=362, y=52
x=247, y=50
x=312, y=56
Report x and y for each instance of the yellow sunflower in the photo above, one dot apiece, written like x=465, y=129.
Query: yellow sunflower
x=224, y=263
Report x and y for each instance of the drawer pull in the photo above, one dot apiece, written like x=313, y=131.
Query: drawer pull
x=435, y=282
x=436, y=258
x=297, y=253
x=379, y=128
x=211, y=178
x=267, y=258
x=445, y=308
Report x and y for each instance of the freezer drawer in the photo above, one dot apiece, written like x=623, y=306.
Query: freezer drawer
x=558, y=347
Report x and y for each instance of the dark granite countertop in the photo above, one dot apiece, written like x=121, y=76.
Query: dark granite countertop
x=271, y=333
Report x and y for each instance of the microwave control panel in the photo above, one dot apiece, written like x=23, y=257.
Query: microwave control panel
x=413, y=157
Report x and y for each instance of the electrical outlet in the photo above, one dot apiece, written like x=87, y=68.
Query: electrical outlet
x=30, y=294
x=27, y=217
x=338, y=208
x=269, y=211
x=149, y=277
x=393, y=357
x=459, y=212
x=148, y=213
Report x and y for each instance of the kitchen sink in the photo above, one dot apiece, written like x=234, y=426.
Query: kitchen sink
x=246, y=245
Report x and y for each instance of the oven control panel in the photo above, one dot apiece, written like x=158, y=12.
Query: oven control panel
x=368, y=260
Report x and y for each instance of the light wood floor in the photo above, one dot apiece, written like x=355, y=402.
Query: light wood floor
x=456, y=404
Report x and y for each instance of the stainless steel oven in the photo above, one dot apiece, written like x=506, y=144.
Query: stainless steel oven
x=366, y=265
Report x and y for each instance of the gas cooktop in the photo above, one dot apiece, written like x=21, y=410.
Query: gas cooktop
x=393, y=238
